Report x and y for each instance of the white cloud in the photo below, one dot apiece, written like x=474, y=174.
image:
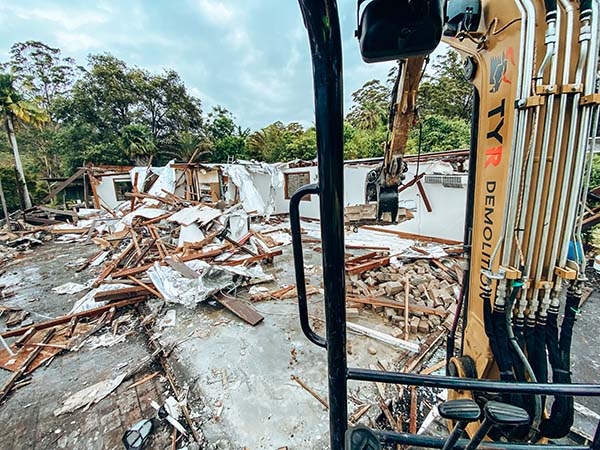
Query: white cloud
x=72, y=42
x=215, y=11
x=69, y=19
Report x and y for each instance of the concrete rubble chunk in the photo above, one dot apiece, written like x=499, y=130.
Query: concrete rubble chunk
x=392, y=287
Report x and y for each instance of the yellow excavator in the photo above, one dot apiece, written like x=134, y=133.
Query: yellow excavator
x=533, y=65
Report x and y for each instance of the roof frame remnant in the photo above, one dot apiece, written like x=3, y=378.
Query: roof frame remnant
x=54, y=192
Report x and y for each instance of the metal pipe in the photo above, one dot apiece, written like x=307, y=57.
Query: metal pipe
x=470, y=384
x=322, y=22
x=551, y=42
x=518, y=146
x=512, y=162
x=582, y=126
x=593, y=113
x=559, y=238
x=586, y=185
x=555, y=161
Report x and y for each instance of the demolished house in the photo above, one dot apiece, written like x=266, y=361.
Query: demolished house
x=176, y=293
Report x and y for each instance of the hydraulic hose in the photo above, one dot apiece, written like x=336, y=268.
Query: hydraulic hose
x=562, y=413
x=531, y=403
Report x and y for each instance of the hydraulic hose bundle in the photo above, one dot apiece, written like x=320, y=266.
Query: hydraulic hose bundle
x=559, y=351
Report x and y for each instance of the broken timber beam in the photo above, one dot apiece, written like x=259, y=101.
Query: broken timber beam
x=23, y=368
x=120, y=294
x=411, y=236
x=369, y=265
x=67, y=318
x=380, y=301
x=63, y=185
x=192, y=256
x=238, y=262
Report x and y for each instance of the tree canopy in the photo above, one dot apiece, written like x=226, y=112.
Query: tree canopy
x=109, y=112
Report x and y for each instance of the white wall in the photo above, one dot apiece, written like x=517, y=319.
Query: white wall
x=105, y=190
x=447, y=218
x=308, y=208
x=448, y=203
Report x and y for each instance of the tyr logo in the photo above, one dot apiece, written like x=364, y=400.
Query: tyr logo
x=498, y=68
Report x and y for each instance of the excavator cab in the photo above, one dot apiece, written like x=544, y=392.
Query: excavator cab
x=384, y=28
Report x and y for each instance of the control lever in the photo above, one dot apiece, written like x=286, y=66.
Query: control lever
x=463, y=411
x=361, y=438
x=495, y=414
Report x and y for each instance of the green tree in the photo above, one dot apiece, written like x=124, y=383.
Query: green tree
x=228, y=139
x=136, y=140
x=44, y=77
x=361, y=143
x=303, y=145
x=112, y=96
x=44, y=73
x=446, y=92
x=370, y=106
x=15, y=110
x=439, y=133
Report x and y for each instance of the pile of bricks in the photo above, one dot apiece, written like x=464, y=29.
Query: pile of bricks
x=432, y=292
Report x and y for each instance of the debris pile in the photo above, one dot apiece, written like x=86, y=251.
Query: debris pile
x=427, y=288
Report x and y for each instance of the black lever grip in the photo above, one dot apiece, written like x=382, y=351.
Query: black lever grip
x=299, y=262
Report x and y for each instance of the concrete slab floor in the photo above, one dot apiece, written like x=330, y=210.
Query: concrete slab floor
x=239, y=377
x=27, y=415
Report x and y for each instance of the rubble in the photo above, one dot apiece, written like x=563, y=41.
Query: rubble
x=183, y=251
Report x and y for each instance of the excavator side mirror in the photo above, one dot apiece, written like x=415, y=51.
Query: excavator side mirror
x=398, y=29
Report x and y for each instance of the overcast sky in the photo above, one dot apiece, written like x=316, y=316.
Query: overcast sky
x=251, y=56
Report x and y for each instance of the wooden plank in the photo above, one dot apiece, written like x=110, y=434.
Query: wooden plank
x=413, y=410
x=428, y=348
x=241, y=309
x=238, y=262
x=111, y=266
x=190, y=257
x=437, y=366
x=148, y=288
x=23, y=368
x=380, y=301
x=358, y=259
x=411, y=236
x=183, y=269
x=67, y=318
x=424, y=196
x=63, y=185
x=362, y=247
x=369, y=265
x=70, y=230
x=406, y=293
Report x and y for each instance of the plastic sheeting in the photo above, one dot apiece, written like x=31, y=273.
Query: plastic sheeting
x=175, y=288
x=88, y=301
x=241, y=175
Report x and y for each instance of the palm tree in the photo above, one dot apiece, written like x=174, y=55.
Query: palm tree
x=136, y=141
x=16, y=110
x=189, y=147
